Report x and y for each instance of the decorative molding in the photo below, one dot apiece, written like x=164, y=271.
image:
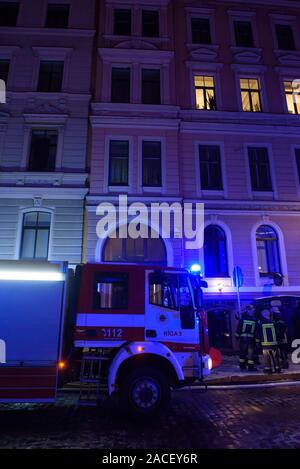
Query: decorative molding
x=246, y=55
x=207, y=54
x=135, y=44
x=42, y=179
x=290, y=58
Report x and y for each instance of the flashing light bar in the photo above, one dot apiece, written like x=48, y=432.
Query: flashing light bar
x=195, y=268
x=32, y=276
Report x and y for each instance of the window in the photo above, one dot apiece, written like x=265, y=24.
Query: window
x=122, y=23
x=140, y=251
x=150, y=86
x=111, y=290
x=57, y=15
x=285, y=37
x=297, y=156
x=210, y=167
x=201, y=31
x=292, y=96
x=150, y=23
x=205, y=93
x=43, y=150
x=118, y=162
x=9, y=13
x=250, y=92
x=120, y=85
x=4, y=68
x=267, y=251
x=215, y=252
x=35, y=235
x=260, y=169
x=151, y=156
x=51, y=76
x=243, y=33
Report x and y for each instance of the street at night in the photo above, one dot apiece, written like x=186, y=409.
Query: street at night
x=227, y=418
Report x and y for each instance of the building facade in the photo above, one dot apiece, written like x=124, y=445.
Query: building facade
x=197, y=102
x=169, y=102
x=45, y=60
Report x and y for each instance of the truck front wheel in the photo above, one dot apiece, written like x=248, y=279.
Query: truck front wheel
x=144, y=392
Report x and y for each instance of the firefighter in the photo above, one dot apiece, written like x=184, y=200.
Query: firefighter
x=266, y=336
x=245, y=333
x=281, y=331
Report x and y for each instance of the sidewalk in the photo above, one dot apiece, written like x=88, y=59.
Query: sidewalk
x=229, y=373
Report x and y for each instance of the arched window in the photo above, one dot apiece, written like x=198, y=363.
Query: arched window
x=267, y=246
x=35, y=235
x=215, y=252
x=140, y=250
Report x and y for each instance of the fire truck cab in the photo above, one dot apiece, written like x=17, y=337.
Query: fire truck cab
x=136, y=330
x=148, y=324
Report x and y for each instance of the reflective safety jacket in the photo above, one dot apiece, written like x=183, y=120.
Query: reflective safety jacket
x=266, y=334
x=281, y=331
x=246, y=328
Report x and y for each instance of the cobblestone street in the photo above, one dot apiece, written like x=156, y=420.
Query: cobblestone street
x=236, y=418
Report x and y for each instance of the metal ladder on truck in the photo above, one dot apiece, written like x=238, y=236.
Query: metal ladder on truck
x=90, y=379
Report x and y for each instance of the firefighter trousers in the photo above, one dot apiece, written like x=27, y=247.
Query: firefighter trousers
x=271, y=360
x=283, y=356
x=247, y=353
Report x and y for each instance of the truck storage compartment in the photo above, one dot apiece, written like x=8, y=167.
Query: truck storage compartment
x=32, y=297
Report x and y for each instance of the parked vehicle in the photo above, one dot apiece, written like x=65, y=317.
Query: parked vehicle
x=136, y=330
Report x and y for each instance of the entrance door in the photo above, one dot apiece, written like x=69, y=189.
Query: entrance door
x=219, y=328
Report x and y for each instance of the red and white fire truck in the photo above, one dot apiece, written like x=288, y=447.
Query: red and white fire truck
x=135, y=329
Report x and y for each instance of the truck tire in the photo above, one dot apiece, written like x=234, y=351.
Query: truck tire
x=144, y=392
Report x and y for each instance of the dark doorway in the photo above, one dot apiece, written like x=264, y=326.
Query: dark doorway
x=219, y=328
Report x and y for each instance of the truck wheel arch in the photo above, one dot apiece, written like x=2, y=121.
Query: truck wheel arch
x=124, y=362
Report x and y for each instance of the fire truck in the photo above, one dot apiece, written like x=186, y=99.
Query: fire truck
x=136, y=331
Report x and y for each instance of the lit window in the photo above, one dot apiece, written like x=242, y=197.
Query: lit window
x=292, y=94
x=118, y=162
x=205, y=93
x=35, y=235
x=250, y=91
x=260, y=169
x=267, y=251
x=215, y=252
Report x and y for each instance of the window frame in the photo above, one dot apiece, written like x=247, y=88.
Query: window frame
x=50, y=75
x=110, y=158
x=269, y=273
x=32, y=130
x=156, y=10
x=201, y=13
x=210, y=192
x=114, y=67
x=297, y=113
x=204, y=88
x=110, y=274
x=248, y=90
x=225, y=240
x=259, y=190
x=57, y=5
x=208, y=189
x=124, y=8
x=151, y=68
x=17, y=16
x=23, y=215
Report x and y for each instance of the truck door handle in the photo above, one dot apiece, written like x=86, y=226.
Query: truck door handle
x=150, y=333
